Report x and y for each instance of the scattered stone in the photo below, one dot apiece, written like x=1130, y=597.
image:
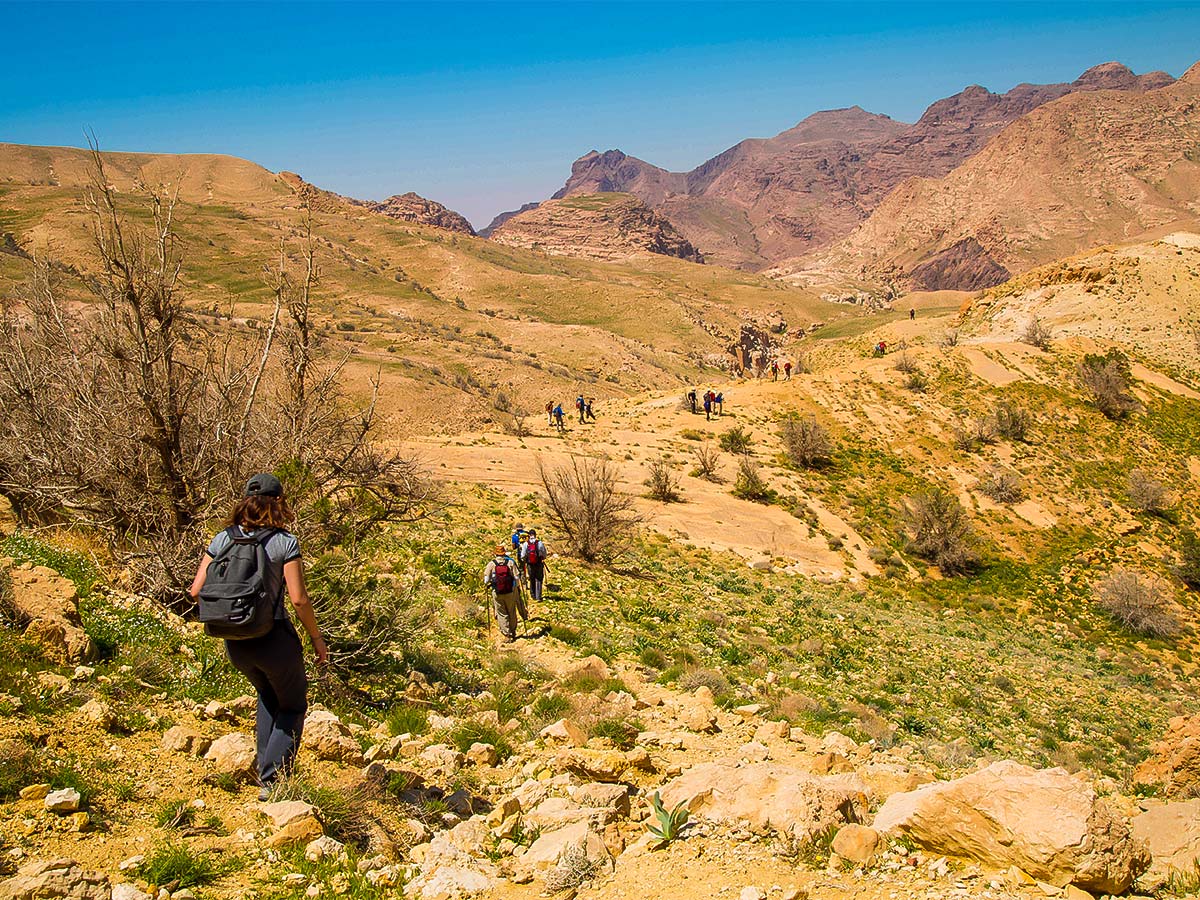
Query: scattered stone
x=98, y=713
x=767, y=796
x=1049, y=824
x=129, y=892
x=52, y=681
x=443, y=757
x=749, y=711
x=44, y=879
x=286, y=811
x=301, y=830
x=329, y=738
x=595, y=765
x=449, y=882
x=752, y=893
x=599, y=795
x=180, y=739
x=131, y=863
x=698, y=718
x=856, y=843
x=769, y=731
x=80, y=821
x=830, y=764
x=483, y=754
x=754, y=752
x=1174, y=762
x=325, y=847
x=63, y=801
x=83, y=673
x=218, y=711
x=591, y=667
x=836, y=742
x=48, y=605
x=545, y=853
x=34, y=792
x=564, y=731
x=233, y=754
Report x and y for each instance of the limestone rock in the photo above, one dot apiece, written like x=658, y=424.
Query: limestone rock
x=233, y=754
x=597, y=765
x=483, y=754
x=129, y=892
x=556, y=812
x=768, y=796
x=180, y=739
x=769, y=731
x=564, y=731
x=856, y=843
x=1049, y=824
x=604, y=796
x=64, y=801
x=329, y=738
x=450, y=882
x=98, y=713
x=1174, y=762
x=325, y=847
x=286, y=811
x=44, y=879
x=48, y=605
x=443, y=757
x=8, y=517
x=545, y=852
x=590, y=667
x=300, y=830
x=698, y=718
x=1172, y=831
x=35, y=792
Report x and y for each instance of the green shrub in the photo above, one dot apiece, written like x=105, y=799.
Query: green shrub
x=170, y=862
x=939, y=531
x=1188, y=569
x=663, y=483
x=621, y=731
x=548, y=707
x=464, y=734
x=750, y=485
x=668, y=823
x=1108, y=379
x=175, y=814
x=20, y=766
x=736, y=440
x=344, y=812
x=405, y=718
x=443, y=568
x=656, y=659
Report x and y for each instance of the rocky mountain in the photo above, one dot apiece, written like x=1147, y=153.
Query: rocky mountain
x=412, y=207
x=597, y=226
x=1089, y=168
x=504, y=217
x=765, y=200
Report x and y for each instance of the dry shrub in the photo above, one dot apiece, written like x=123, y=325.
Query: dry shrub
x=1147, y=493
x=948, y=339
x=1107, y=379
x=1137, y=602
x=1003, y=487
x=916, y=382
x=663, y=484
x=573, y=868
x=905, y=363
x=708, y=459
x=806, y=441
x=975, y=434
x=585, y=503
x=516, y=423
x=1036, y=334
x=939, y=530
x=1010, y=421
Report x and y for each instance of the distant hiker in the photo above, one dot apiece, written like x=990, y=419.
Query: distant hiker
x=239, y=585
x=501, y=576
x=519, y=555
x=587, y=409
x=550, y=413
x=719, y=404
x=787, y=371
x=881, y=348
x=558, y=417
x=534, y=559
x=580, y=405
x=707, y=406
x=774, y=370
x=912, y=314
x=692, y=400
x=518, y=530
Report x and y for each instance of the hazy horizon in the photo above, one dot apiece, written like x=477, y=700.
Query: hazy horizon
x=484, y=106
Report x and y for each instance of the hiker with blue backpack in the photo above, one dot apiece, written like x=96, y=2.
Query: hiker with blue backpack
x=501, y=576
x=239, y=586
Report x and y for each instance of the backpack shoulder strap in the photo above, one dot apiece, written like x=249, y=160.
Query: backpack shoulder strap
x=232, y=533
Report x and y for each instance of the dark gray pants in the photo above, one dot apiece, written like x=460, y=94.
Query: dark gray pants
x=274, y=664
x=536, y=572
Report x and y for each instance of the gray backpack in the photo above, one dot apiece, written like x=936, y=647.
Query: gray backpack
x=234, y=602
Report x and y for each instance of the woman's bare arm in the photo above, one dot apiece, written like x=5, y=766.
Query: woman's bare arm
x=293, y=574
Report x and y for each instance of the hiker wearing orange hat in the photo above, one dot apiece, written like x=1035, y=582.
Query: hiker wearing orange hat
x=500, y=575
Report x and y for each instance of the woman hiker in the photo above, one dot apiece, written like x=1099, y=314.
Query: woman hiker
x=273, y=663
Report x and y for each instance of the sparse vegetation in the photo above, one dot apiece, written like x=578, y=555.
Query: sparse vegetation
x=1146, y=493
x=1138, y=603
x=1001, y=486
x=587, y=506
x=916, y=382
x=1188, y=568
x=806, y=441
x=939, y=531
x=662, y=482
x=736, y=440
x=708, y=461
x=1036, y=334
x=1010, y=421
x=1107, y=379
x=905, y=364
x=750, y=484
x=668, y=824
x=178, y=864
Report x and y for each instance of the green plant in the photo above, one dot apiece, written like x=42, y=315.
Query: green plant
x=916, y=382
x=1147, y=494
x=343, y=812
x=621, y=731
x=663, y=484
x=1107, y=378
x=405, y=718
x=175, y=814
x=170, y=862
x=1010, y=421
x=708, y=459
x=1036, y=334
x=668, y=823
x=736, y=440
x=1188, y=568
x=750, y=485
x=472, y=731
x=1001, y=486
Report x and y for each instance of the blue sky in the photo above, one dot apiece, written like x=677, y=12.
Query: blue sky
x=483, y=106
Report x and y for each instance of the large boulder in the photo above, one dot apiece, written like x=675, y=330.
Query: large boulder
x=1046, y=822
x=1172, y=832
x=1174, y=762
x=603, y=765
x=234, y=754
x=769, y=797
x=553, y=846
x=44, y=879
x=47, y=605
x=329, y=738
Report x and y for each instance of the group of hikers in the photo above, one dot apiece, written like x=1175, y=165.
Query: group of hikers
x=248, y=569
x=787, y=370
x=583, y=406
x=714, y=403
x=511, y=573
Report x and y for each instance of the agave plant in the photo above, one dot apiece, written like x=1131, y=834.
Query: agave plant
x=669, y=822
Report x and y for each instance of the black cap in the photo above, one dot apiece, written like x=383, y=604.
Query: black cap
x=264, y=485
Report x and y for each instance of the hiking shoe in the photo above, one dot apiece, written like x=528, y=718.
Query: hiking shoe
x=264, y=793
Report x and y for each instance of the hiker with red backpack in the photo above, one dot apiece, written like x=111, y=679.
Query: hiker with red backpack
x=501, y=576
x=533, y=556
x=787, y=371
x=239, y=585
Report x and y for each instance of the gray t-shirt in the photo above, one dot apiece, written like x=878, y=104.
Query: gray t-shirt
x=282, y=547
